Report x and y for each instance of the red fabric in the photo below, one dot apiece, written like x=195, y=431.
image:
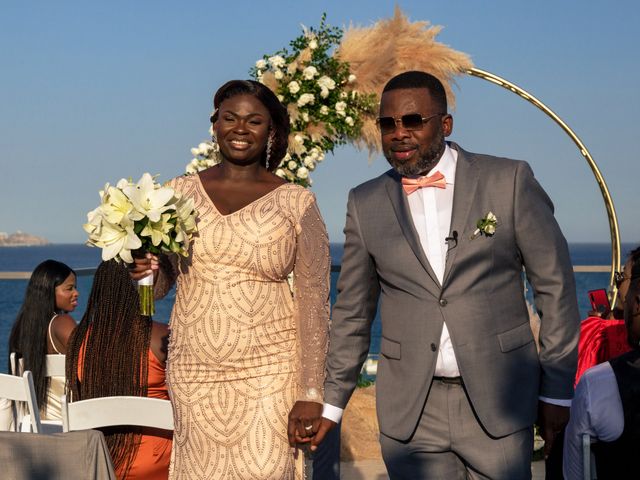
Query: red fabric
x=600, y=340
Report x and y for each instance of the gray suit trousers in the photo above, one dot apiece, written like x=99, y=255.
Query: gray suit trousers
x=450, y=444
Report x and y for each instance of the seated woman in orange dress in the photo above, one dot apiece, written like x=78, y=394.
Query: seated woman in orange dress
x=116, y=351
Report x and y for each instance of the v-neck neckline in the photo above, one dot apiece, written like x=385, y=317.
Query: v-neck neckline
x=213, y=204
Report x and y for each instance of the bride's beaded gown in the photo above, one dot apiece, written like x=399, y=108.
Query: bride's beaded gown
x=244, y=344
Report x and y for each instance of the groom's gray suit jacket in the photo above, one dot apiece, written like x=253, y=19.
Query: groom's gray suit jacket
x=480, y=299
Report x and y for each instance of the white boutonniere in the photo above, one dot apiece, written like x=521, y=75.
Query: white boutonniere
x=486, y=226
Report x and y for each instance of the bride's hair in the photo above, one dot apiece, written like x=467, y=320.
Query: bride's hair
x=277, y=111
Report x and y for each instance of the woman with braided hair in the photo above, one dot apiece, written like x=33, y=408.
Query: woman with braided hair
x=116, y=351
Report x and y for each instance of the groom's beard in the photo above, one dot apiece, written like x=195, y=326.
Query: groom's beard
x=427, y=159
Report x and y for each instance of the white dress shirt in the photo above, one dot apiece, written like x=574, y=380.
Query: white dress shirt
x=431, y=210
x=597, y=410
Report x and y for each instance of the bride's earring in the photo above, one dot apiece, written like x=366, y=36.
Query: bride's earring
x=269, y=146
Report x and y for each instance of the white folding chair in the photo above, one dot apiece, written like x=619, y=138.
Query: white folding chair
x=21, y=389
x=55, y=364
x=588, y=459
x=55, y=367
x=110, y=411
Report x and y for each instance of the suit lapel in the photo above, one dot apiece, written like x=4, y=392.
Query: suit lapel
x=401, y=208
x=466, y=184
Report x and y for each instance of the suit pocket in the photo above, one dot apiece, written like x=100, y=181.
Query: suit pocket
x=389, y=348
x=515, y=338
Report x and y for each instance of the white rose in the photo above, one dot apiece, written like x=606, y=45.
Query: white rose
x=286, y=158
x=340, y=108
x=192, y=167
x=313, y=44
x=294, y=87
x=324, y=92
x=204, y=148
x=309, y=163
x=277, y=61
x=309, y=72
x=344, y=94
x=326, y=82
x=292, y=165
x=352, y=78
x=299, y=139
x=314, y=153
x=320, y=157
x=280, y=173
x=195, y=151
x=302, y=173
x=305, y=117
x=281, y=98
x=349, y=121
x=278, y=74
x=490, y=229
x=324, y=110
x=261, y=64
x=306, y=98
x=491, y=216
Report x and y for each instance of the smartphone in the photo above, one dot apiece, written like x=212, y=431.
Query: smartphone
x=599, y=300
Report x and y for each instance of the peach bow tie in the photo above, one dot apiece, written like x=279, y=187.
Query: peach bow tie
x=410, y=185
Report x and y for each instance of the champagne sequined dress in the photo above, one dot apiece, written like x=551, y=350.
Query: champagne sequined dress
x=245, y=345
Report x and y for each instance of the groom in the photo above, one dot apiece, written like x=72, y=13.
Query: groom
x=440, y=241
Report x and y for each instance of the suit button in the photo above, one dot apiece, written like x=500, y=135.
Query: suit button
x=433, y=347
x=443, y=302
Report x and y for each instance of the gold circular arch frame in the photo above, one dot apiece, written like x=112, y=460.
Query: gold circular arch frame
x=608, y=202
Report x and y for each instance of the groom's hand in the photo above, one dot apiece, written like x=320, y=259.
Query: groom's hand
x=325, y=426
x=551, y=420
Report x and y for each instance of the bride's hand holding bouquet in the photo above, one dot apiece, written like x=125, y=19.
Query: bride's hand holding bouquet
x=141, y=220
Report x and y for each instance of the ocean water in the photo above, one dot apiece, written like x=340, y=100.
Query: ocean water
x=24, y=259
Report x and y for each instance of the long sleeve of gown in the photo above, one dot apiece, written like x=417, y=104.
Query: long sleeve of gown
x=167, y=274
x=311, y=283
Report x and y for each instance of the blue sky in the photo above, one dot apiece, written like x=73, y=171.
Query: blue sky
x=94, y=91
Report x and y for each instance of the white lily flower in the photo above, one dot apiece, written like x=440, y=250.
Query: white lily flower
x=123, y=182
x=158, y=231
x=150, y=199
x=118, y=242
x=116, y=206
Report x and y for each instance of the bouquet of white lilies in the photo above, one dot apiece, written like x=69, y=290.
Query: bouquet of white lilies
x=145, y=217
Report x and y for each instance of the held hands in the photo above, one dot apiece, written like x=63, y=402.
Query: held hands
x=551, y=420
x=305, y=421
x=144, y=266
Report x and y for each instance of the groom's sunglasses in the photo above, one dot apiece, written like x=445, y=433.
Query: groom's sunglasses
x=410, y=121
